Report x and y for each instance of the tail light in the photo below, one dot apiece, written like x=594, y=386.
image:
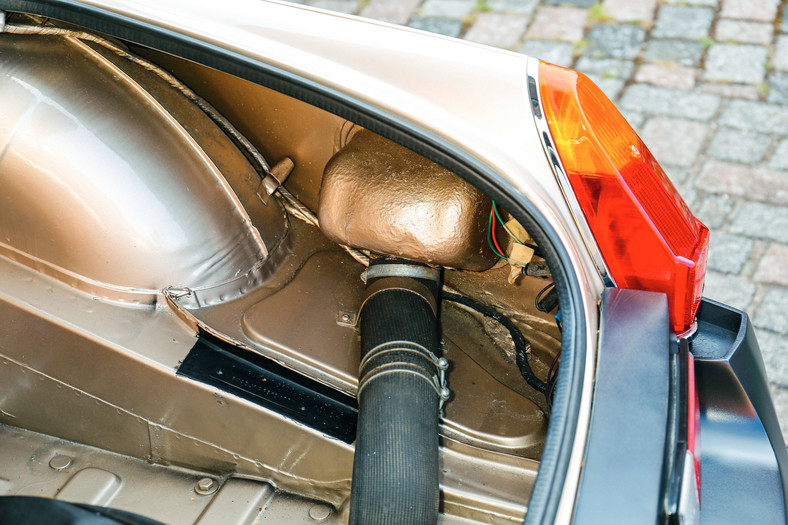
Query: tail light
x=646, y=234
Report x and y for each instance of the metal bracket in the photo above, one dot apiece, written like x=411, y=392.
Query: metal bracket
x=275, y=178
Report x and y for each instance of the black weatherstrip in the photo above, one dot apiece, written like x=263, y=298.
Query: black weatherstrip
x=554, y=466
x=264, y=382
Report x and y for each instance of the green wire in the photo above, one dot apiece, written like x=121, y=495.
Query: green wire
x=492, y=247
x=495, y=209
x=489, y=239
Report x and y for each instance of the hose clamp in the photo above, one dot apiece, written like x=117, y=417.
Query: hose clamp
x=437, y=380
x=413, y=271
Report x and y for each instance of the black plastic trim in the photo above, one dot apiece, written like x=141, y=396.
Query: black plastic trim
x=266, y=383
x=32, y=510
x=622, y=469
x=677, y=433
x=548, y=487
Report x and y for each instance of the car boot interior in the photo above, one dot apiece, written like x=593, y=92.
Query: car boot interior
x=200, y=278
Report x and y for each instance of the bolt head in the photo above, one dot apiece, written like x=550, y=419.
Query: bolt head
x=206, y=486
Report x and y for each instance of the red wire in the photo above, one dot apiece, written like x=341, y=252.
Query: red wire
x=495, y=241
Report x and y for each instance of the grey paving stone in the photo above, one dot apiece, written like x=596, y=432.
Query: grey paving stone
x=340, y=6
x=781, y=53
x=714, y=210
x=578, y=3
x=754, y=217
x=708, y=3
x=524, y=7
x=635, y=119
x=609, y=86
x=748, y=182
x=778, y=88
x=671, y=76
x=780, y=399
x=497, y=29
x=744, y=32
x=442, y=26
x=738, y=145
x=725, y=288
x=780, y=156
x=757, y=116
x=554, y=52
x=747, y=92
x=673, y=102
x=686, y=22
x=728, y=253
x=774, y=349
x=558, y=23
x=674, y=141
x=676, y=174
x=680, y=52
x=763, y=10
x=771, y=312
x=630, y=10
x=455, y=9
x=773, y=266
x=736, y=63
x=688, y=194
x=394, y=11
x=615, y=41
x=605, y=67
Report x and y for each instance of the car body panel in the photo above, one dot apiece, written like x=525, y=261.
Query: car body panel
x=419, y=77
x=71, y=180
x=421, y=85
x=340, y=58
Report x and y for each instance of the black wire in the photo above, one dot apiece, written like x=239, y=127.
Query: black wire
x=540, y=296
x=551, y=376
x=520, y=344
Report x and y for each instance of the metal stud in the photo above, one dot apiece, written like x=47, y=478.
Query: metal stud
x=60, y=462
x=319, y=512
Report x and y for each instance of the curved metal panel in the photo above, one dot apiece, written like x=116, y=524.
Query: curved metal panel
x=103, y=188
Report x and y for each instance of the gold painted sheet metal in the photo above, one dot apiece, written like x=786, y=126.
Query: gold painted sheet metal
x=378, y=196
x=103, y=188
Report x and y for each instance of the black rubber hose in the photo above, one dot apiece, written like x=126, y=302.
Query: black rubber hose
x=395, y=468
x=520, y=344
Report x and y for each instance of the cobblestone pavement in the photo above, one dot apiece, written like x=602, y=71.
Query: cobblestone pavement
x=705, y=83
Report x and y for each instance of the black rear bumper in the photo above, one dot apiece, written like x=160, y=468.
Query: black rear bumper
x=744, y=462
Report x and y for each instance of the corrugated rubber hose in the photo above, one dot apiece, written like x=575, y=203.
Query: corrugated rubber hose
x=395, y=470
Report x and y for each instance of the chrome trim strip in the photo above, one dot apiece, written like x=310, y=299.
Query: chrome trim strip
x=535, y=96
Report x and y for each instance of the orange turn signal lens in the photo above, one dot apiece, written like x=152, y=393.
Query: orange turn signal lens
x=648, y=237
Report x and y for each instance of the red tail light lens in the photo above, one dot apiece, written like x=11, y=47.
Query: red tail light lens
x=645, y=232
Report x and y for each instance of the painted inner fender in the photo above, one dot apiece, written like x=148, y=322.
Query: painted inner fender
x=113, y=182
